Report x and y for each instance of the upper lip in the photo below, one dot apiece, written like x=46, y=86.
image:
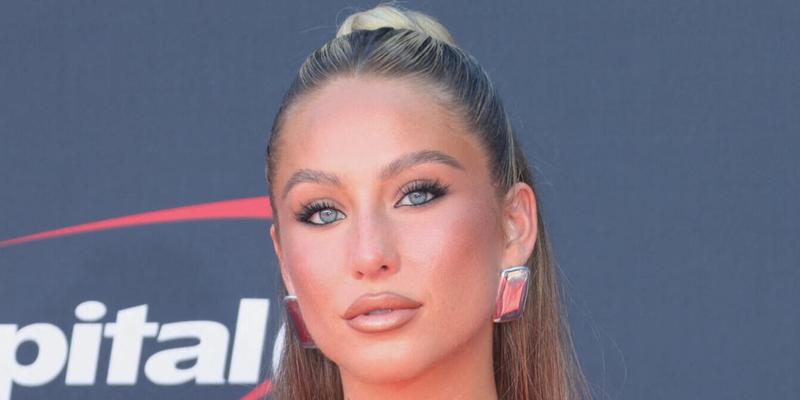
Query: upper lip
x=379, y=301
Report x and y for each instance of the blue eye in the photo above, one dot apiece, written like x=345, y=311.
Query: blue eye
x=421, y=192
x=415, y=194
x=319, y=213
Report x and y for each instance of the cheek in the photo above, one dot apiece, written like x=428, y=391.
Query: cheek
x=457, y=251
x=312, y=261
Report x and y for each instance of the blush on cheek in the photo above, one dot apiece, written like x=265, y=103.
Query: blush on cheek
x=468, y=231
x=314, y=267
x=316, y=276
x=310, y=265
x=460, y=247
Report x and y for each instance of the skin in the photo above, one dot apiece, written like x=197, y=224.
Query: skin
x=446, y=253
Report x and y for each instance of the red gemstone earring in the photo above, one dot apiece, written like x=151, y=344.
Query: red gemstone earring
x=512, y=293
x=298, y=325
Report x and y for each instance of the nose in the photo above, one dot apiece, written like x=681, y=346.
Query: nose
x=374, y=247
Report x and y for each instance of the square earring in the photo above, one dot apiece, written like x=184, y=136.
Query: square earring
x=512, y=293
x=298, y=325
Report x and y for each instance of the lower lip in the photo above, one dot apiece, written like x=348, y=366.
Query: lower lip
x=382, y=322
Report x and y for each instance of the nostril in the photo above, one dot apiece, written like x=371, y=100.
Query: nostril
x=374, y=270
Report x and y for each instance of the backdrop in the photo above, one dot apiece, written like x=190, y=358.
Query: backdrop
x=132, y=134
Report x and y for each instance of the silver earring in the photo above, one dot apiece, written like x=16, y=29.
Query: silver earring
x=512, y=293
x=298, y=325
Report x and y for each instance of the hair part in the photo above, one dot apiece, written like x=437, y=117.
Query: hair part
x=533, y=356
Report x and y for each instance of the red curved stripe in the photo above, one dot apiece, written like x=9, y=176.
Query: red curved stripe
x=259, y=392
x=248, y=208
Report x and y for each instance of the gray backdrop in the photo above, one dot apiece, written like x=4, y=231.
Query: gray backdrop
x=663, y=136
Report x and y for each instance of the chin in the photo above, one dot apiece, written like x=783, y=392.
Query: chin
x=385, y=362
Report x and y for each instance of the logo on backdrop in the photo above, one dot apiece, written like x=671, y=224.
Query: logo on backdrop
x=80, y=352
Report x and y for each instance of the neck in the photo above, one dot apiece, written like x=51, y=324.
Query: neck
x=466, y=374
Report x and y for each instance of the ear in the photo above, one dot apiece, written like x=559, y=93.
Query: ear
x=276, y=243
x=519, y=224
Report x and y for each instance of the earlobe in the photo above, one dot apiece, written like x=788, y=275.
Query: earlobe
x=520, y=223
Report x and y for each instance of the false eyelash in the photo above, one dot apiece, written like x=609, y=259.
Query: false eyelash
x=434, y=187
x=310, y=209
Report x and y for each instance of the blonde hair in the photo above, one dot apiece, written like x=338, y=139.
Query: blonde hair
x=385, y=15
x=533, y=356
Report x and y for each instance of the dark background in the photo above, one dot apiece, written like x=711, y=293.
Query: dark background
x=663, y=136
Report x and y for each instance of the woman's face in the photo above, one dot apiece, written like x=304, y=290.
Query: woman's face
x=388, y=193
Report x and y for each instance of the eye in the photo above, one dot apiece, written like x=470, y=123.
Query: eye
x=319, y=213
x=421, y=192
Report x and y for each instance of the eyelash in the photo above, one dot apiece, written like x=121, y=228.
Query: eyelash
x=311, y=209
x=436, y=188
x=433, y=187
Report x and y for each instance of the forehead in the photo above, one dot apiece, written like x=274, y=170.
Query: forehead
x=356, y=125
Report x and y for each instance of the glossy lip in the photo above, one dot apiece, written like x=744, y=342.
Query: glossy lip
x=378, y=301
x=401, y=310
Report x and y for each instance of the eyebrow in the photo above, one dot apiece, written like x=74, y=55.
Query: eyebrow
x=392, y=169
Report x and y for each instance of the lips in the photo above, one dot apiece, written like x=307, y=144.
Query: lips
x=380, y=312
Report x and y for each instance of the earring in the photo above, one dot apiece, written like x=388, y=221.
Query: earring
x=512, y=293
x=299, y=326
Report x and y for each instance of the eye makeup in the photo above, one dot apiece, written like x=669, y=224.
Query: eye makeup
x=310, y=209
x=419, y=193
x=434, y=187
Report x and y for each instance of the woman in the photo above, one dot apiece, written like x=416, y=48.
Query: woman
x=410, y=243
